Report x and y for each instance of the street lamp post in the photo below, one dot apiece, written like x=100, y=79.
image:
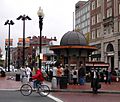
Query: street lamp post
x=9, y=22
x=41, y=16
x=6, y=49
x=23, y=18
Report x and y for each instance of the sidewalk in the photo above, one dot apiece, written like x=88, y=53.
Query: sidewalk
x=9, y=84
x=114, y=87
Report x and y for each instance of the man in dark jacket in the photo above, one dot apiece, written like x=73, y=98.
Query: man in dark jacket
x=81, y=75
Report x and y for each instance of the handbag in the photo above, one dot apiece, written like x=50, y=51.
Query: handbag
x=105, y=78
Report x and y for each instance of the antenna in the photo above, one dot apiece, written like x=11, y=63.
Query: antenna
x=73, y=21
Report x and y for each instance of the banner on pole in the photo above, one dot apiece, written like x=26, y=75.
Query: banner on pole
x=7, y=42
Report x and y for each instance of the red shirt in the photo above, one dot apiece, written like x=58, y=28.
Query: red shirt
x=38, y=75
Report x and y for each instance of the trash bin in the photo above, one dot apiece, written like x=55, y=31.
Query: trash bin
x=17, y=77
x=63, y=82
x=54, y=83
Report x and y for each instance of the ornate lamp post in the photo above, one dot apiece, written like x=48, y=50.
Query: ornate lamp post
x=9, y=22
x=23, y=18
x=41, y=16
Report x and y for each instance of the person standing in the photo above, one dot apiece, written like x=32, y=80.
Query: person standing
x=67, y=73
x=75, y=77
x=28, y=72
x=54, y=71
x=54, y=78
x=23, y=73
x=108, y=76
x=81, y=75
x=59, y=74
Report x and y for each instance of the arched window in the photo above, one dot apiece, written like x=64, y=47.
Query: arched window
x=110, y=48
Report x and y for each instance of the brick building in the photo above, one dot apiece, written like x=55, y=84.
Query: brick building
x=32, y=52
x=105, y=31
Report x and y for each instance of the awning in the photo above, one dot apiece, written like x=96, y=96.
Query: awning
x=96, y=64
x=95, y=55
x=49, y=62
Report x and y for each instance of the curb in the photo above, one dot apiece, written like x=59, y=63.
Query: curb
x=86, y=91
x=74, y=91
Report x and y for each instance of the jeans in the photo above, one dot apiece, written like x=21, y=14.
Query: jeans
x=35, y=83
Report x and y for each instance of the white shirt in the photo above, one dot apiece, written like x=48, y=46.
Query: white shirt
x=95, y=76
x=54, y=71
x=28, y=70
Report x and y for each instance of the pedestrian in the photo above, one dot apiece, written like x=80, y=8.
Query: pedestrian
x=50, y=74
x=75, y=77
x=34, y=70
x=59, y=74
x=109, y=76
x=54, y=71
x=81, y=74
x=67, y=73
x=23, y=73
x=62, y=69
x=95, y=80
x=28, y=72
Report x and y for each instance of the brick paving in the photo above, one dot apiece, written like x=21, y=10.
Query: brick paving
x=12, y=84
x=114, y=86
x=9, y=84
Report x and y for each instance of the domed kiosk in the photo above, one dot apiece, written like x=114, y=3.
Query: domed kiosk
x=73, y=38
x=73, y=49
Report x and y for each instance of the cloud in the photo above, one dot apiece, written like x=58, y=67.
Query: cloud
x=57, y=21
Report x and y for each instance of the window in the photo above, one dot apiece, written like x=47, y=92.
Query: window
x=118, y=26
x=93, y=5
x=88, y=15
x=98, y=32
x=109, y=29
x=88, y=8
x=119, y=9
x=98, y=18
x=93, y=20
x=98, y=3
x=93, y=34
x=85, y=23
x=109, y=12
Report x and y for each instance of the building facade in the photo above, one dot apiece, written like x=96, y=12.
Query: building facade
x=105, y=31
x=82, y=17
x=32, y=52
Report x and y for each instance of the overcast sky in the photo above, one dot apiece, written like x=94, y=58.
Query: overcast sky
x=57, y=21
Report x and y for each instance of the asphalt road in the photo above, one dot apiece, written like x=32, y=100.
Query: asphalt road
x=16, y=96
x=87, y=97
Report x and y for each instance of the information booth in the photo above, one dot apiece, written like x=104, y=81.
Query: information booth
x=99, y=66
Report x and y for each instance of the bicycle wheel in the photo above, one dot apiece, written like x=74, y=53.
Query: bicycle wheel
x=26, y=89
x=43, y=90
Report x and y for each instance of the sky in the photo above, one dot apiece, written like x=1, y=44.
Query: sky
x=57, y=21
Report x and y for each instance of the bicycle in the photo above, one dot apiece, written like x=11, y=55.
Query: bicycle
x=42, y=89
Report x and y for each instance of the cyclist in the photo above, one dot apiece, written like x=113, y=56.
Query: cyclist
x=38, y=78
